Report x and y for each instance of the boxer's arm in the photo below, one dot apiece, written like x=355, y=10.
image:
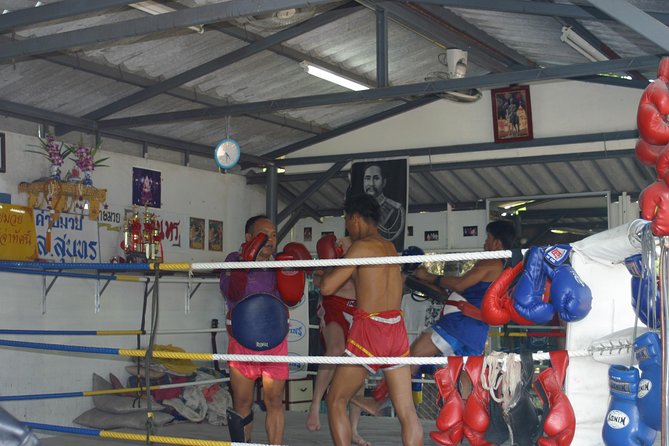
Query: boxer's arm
x=336, y=277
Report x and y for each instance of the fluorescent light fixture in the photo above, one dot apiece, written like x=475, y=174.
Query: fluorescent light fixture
x=155, y=8
x=577, y=42
x=335, y=78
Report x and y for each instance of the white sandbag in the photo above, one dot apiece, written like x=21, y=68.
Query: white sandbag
x=613, y=245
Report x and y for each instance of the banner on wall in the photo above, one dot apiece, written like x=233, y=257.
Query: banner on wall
x=298, y=336
x=387, y=181
x=74, y=238
x=17, y=233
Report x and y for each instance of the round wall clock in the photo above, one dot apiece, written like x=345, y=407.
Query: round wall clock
x=226, y=153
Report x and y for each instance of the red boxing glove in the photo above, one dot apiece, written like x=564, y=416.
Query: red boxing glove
x=497, y=306
x=328, y=248
x=297, y=250
x=654, y=106
x=449, y=421
x=560, y=421
x=476, y=415
x=251, y=249
x=648, y=153
x=654, y=203
x=290, y=282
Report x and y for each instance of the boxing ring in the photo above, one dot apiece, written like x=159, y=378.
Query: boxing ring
x=597, y=259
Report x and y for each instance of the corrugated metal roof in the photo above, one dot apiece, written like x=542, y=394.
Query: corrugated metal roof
x=69, y=87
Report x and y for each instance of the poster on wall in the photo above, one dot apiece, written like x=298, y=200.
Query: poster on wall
x=74, y=238
x=385, y=180
x=196, y=234
x=215, y=235
x=145, y=187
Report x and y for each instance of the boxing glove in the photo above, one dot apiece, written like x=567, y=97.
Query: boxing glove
x=654, y=203
x=297, y=250
x=570, y=296
x=558, y=421
x=327, y=247
x=497, y=306
x=648, y=352
x=290, y=282
x=623, y=426
x=648, y=153
x=249, y=250
x=653, y=107
x=450, y=418
x=476, y=418
x=410, y=268
x=645, y=292
x=528, y=293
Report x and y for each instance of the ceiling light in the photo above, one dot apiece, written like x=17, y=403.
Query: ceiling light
x=335, y=78
x=577, y=42
x=155, y=8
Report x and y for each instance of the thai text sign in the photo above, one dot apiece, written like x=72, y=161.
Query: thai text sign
x=17, y=233
x=73, y=238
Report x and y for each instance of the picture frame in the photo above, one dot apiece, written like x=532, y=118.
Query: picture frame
x=3, y=166
x=215, y=235
x=307, y=234
x=146, y=186
x=512, y=114
x=431, y=236
x=470, y=231
x=196, y=234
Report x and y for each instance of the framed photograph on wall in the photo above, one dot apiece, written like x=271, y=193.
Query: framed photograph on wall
x=3, y=166
x=146, y=187
x=512, y=113
x=215, y=235
x=470, y=231
x=196, y=234
x=307, y=234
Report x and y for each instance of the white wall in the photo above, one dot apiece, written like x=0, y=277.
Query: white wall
x=70, y=303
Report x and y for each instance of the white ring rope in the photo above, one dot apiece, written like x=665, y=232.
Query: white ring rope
x=453, y=257
x=418, y=360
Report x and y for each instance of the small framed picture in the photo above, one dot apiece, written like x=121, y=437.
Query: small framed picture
x=431, y=236
x=215, y=235
x=512, y=114
x=410, y=231
x=307, y=234
x=470, y=231
x=196, y=234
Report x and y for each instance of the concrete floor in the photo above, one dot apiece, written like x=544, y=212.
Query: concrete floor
x=380, y=431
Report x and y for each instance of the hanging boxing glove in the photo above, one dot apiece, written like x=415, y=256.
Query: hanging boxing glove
x=570, y=296
x=451, y=415
x=648, y=353
x=654, y=203
x=476, y=417
x=529, y=291
x=645, y=292
x=623, y=425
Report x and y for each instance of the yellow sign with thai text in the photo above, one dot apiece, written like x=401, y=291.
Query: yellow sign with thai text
x=18, y=240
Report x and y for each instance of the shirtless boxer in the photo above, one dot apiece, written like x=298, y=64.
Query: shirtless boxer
x=378, y=328
x=336, y=314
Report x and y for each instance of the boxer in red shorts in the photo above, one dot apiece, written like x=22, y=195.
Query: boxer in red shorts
x=378, y=289
x=336, y=316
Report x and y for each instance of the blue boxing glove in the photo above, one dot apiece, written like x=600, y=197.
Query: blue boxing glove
x=529, y=290
x=623, y=426
x=645, y=292
x=410, y=268
x=570, y=296
x=647, y=350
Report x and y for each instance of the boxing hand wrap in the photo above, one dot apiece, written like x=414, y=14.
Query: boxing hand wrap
x=410, y=268
x=570, y=296
x=450, y=418
x=654, y=203
x=328, y=248
x=528, y=293
x=476, y=418
x=558, y=421
x=250, y=250
x=647, y=350
x=497, y=306
x=623, y=425
x=645, y=292
x=290, y=282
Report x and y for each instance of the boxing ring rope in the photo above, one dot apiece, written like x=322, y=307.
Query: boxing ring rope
x=9, y=331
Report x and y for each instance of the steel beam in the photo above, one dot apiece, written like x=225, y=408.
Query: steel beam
x=420, y=89
x=52, y=11
x=641, y=22
x=202, y=15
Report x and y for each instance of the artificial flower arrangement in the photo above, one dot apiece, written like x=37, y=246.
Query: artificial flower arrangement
x=84, y=158
x=54, y=152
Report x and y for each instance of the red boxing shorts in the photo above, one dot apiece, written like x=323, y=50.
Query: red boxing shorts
x=254, y=370
x=338, y=310
x=378, y=335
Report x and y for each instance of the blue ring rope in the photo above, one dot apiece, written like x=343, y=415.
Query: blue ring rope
x=41, y=396
x=49, y=265
x=8, y=331
x=69, y=430
x=60, y=347
x=56, y=273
